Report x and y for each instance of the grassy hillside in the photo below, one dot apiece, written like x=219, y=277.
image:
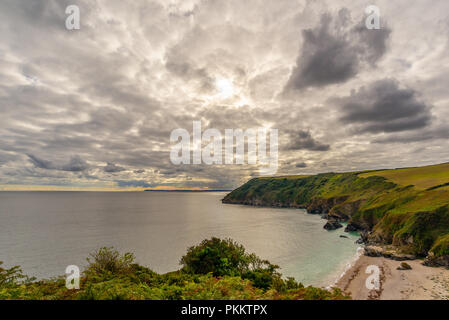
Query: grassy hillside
x=421, y=177
x=408, y=207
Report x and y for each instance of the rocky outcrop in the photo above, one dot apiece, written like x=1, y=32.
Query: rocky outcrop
x=332, y=225
x=257, y=202
x=364, y=237
x=433, y=261
x=345, y=210
x=351, y=228
x=324, y=206
x=387, y=252
x=404, y=266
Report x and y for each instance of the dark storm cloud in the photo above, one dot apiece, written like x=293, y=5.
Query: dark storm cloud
x=303, y=140
x=40, y=163
x=334, y=51
x=75, y=164
x=112, y=168
x=407, y=137
x=301, y=165
x=384, y=107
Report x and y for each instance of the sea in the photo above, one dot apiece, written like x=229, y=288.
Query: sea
x=44, y=232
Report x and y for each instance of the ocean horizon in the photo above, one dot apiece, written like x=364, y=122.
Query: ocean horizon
x=45, y=231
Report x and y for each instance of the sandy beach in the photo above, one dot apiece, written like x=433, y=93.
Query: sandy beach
x=419, y=283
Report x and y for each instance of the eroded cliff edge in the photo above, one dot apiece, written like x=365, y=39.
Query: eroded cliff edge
x=407, y=218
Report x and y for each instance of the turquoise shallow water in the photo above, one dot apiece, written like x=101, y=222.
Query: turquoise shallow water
x=44, y=232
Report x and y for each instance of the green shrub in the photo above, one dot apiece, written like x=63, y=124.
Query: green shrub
x=441, y=246
x=223, y=258
x=12, y=277
x=216, y=256
x=107, y=262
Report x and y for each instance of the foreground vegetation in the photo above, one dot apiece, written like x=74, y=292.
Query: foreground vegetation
x=407, y=208
x=215, y=269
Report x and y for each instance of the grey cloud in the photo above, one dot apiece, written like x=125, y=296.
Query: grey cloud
x=303, y=140
x=186, y=70
x=407, y=137
x=384, y=106
x=301, y=165
x=334, y=51
x=114, y=90
x=42, y=13
x=133, y=183
x=76, y=164
x=40, y=163
x=189, y=73
x=112, y=168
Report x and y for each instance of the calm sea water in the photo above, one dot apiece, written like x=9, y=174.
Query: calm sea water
x=44, y=232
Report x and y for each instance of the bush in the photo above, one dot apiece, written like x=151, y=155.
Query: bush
x=216, y=256
x=12, y=277
x=441, y=246
x=223, y=258
x=107, y=262
x=228, y=258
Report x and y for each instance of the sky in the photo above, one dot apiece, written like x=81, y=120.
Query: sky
x=94, y=108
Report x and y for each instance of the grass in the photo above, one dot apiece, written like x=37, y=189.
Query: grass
x=407, y=207
x=285, y=177
x=421, y=177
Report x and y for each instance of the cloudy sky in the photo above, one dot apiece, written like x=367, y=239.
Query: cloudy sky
x=94, y=108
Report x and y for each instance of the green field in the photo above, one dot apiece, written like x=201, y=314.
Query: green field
x=420, y=177
x=408, y=208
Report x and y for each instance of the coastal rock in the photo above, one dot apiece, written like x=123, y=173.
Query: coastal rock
x=404, y=266
x=432, y=261
x=364, y=237
x=321, y=205
x=332, y=225
x=373, y=251
x=390, y=253
x=345, y=210
x=350, y=228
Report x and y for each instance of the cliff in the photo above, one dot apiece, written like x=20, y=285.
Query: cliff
x=406, y=208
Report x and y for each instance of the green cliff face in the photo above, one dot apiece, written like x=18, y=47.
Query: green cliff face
x=408, y=208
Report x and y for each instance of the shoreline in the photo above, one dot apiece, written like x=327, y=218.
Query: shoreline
x=347, y=267
x=419, y=283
